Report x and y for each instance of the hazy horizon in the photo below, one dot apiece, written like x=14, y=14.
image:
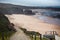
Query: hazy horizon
x=33, y=2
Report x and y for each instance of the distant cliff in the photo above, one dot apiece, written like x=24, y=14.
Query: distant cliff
x=13, y=9
x=18, y=9
x=10, y=9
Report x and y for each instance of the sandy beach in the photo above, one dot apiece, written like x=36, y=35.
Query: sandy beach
x=32, y=24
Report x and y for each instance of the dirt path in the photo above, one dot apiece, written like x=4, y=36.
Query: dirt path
x=19, y=35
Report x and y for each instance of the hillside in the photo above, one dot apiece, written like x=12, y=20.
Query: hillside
x=10, y=8
x=5, y=25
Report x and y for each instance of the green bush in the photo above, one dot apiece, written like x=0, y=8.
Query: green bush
x=5, y=30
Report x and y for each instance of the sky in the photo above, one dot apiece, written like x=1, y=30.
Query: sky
x=33, y=2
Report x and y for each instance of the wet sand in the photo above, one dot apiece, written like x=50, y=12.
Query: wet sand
x=33, y=24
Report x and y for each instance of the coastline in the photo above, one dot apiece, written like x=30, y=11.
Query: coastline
x=33, y=24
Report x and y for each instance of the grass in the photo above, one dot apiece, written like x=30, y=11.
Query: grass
x=30, y=35
x=7, y=35
x=44, y=39
x=38, y=38
x=5, y=27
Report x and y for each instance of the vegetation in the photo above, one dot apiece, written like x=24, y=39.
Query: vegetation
x=5, y=30
x=33, y=35
x=28, y=12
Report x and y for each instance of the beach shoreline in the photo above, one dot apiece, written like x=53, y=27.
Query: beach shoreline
x=32, y=24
